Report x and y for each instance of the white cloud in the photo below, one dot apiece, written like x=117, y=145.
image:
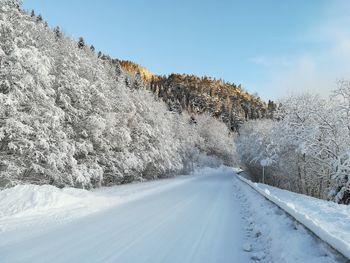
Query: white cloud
x=315, y=70
x=269, y=61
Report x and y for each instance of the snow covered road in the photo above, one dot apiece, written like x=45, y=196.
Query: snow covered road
x=198, y=221
x=208, y=217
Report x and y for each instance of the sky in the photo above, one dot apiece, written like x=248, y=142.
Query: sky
x=273, y=47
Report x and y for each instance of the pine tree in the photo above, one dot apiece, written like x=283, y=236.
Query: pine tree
x=81, y=43
x=118, y=69
x=57, y=32
x=39, y=18
x=137, y=81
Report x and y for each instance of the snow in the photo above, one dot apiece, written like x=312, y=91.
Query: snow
x=184, y=219
x=247, y=247
x=210, y=216
x=22, y=205
x=274, y=236
x=328, y=220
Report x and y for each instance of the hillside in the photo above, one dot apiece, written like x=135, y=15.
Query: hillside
x=225, y=101
x=71, y=117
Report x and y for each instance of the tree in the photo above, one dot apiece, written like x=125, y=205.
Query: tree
x=39, y=18
x=137, y=81
x=308, y=143
x=57, y=32
x=81, y=43
x=69, y=118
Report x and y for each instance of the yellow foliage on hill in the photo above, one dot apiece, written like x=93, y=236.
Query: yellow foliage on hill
x=133, y=68
x=211, y=86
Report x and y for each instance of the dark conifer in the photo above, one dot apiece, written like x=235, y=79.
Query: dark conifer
x=81, y=43
x=57, y=32
x=39, y=18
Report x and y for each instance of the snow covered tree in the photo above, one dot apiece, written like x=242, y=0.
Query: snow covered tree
x=69, y=117
x=57, y=32
x=308, y=144
x=11, y=3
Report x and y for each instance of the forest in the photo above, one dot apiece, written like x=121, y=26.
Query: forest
x=305, y=148
x=70, y=116
x=225, y=101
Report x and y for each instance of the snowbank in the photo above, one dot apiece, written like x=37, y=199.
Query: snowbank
x=27, y=200
x=328, y=220
x=27, y=205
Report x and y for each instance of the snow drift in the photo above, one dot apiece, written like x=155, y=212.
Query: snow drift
x=328, y=220
x=25, y=205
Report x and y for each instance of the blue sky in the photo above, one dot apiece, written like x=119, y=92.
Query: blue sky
x=271, y=47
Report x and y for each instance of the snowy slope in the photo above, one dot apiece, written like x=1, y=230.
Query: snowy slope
x=328, y=220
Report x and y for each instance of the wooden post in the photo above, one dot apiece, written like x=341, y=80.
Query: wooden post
x=263, y=175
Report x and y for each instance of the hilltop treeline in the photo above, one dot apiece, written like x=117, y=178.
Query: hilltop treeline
x=219, y=99
x=197, y=95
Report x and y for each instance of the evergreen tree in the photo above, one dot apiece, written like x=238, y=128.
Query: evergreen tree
x=57, y=32
x=81, y=43
x=137, y=81
x=39, y=18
